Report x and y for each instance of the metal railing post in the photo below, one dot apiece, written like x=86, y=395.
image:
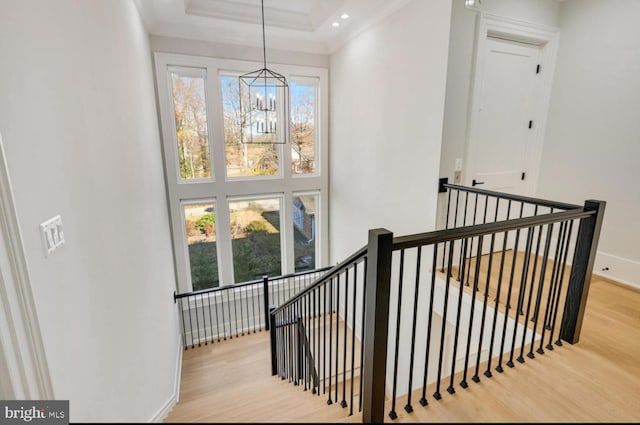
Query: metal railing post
x=271, y=320
x=580, y=279
x=376, y=324
x=265, y=289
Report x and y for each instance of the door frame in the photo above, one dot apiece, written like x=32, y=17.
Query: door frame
x=22, y=354
x=544, y=36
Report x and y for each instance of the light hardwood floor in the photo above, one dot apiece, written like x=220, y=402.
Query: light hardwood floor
x=597, y=379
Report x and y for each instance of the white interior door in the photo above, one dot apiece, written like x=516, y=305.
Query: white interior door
x=504, y=122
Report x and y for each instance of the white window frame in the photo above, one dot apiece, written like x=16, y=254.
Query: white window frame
x=221, y=189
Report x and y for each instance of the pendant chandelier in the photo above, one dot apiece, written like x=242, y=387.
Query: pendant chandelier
x=264, y=103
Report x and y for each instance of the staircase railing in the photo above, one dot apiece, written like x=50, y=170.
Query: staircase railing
x=444, y=307
x=332, y=318
x=216, y=314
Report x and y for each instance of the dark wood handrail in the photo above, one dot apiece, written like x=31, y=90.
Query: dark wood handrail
x=251, y=282
x=511, y=197
x=438, y=236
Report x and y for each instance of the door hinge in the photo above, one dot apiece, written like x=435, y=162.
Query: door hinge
x=530, y=123
x=523, y=174
x=537, y=69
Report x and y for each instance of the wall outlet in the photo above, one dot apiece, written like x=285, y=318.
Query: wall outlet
x=457, y=177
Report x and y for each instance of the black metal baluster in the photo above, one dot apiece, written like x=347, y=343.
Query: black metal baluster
x=204, y=320
x=353, y=333
x=523, y=280
x=475, y=378
x=463, y=258
x=210, y=319
x=437, y=394
x=556, y=274
x=241, y=311
x=408, y=407
x=364, y=308
x=446, y=226
x=195, y=302
x=533, y=279
x=305, y=317
x=543, y=272
x=316, y=349
x=310, y=340
x=450, y=388
x=523, y=289
x=283, y=350
x=235, y=310
x=337, y=333
x=268, y=296
x=291, y=345
x=464, y=383
x=222, y=304
x=253, y=306
x=535, y=315
x=487, y=373
x=343, y=403
x=555, y=314
x=475, y=212
x=423, y=399
x=499, y=368
x=455, y=224
x=184, y=328
x=324, y=340
x=392, y=413
x=329, y=401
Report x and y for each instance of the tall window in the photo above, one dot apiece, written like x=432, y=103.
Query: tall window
x=241, y=211
x=304, y=101
x=190, y=112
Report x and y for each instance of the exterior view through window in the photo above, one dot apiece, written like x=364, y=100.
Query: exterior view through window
x=255, y=231
x=191, y=126
x=241, y=211
x=200, y=228
x=303, y=126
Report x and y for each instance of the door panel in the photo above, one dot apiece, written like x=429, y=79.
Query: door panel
x=508, y=94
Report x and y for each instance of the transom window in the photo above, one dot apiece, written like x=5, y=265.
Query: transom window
x=241, y=211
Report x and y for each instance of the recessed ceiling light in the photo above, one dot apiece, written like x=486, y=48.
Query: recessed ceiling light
x=335, y=24
x=345, y=16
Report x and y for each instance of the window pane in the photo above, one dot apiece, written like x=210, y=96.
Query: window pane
x=255, y=234
x=303, y=126
x=304, y=231
x=201, y=239
x=190, y=112
x=243, y=160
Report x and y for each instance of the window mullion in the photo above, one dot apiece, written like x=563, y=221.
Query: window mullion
x=288, y=260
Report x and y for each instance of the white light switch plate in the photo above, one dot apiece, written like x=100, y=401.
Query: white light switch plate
x=52, y=234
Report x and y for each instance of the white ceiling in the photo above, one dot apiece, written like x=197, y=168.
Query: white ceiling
x=298, y=25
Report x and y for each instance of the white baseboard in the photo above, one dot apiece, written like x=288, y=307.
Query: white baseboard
x=163, y=412
x=620, y=269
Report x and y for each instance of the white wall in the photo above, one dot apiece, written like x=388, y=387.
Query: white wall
x=79, y=125
x=592, y=146
x=461, y=54
x=387, y=98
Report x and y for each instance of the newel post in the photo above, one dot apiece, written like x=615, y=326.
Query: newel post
x=580, y=279
x=376, y=324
